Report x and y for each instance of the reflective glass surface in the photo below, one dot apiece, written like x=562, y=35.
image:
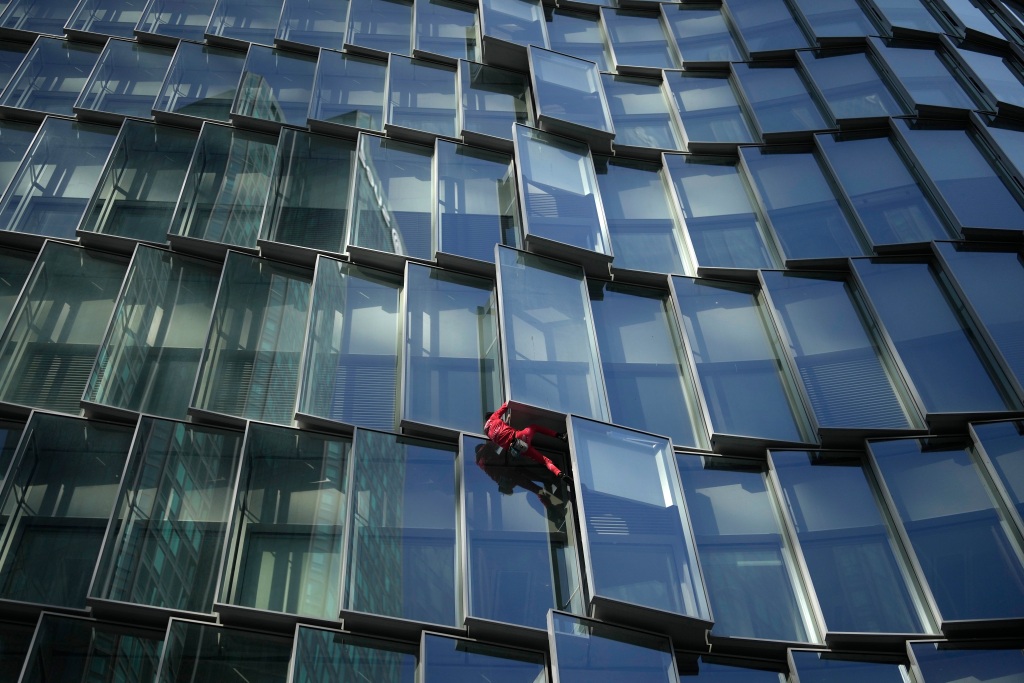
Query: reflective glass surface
x=822, y=667
x=709, y=107
x=401, y=561
x=182, y=19
x=587, y=651
x=149, y=357
x=702, y=34
x=883, y=190
x=579, y=34
x=51, y=76
x=835, y=18
x=851, y=85
x=926, y=76
x=638, y=39
x=806, y=215
x=493, y=99
x=959, y=538
x=11, y=55
x=204, y=653
x=766, y=25
x=908, y=14
x=250, y=364
x=106, y=17
x=451, y=357
x=943, y=663
x=455, y=659
x=37, y=17
x=254, y=21
x=15, y=139
x=941, y=355
x=287, y=533
x=276, y=86
x=126, y=79
x=552, y=359
x=448, y=28
x=320, y=23
x=640, y=112
x=723, y=224
x=860, y=575
x=568, y=90
x=974, y=17
x=520, y=22
x=349, y=91
x=644, y=231
x=380, y=25
x=780, y=98
x=998, y=75
x=421, y=96
x=322, y=655
x=201, y=82
x=746, y=385
x=1003, y=446
x=14, y=270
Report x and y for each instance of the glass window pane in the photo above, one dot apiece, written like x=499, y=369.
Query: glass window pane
x=421, y=97
x=945, y=663
x=31, y=16
x=241, y=21
x=455, y=659
x=309, y=191
x=51, y=76
x=638, y=39
x=288, y=523
x=349, y=91
x=11, y=56
x=251, y=361
x=380, y=26
x=204, y=653
x=492, y=100
x=201, y=82
x=452, y=368
x=883, y=190
x=318, y=23
x=766, y=26
x=851, y=85
x=322, y=655
x=753, y=583
x=568, y=93
x=126, y=80
x=640, y=112
x=911, y=15
x=702, y=34
x=447, y=28
x=580, y=35
x=173, y=510
x=14, y=269
x=835, y=18
x=861, y=578
x=176, y=19
x=97, y=18
x=723, y=224
x=14, y=643
x=709, y=107
x=150, y=356
x=926, y=76
x=746, y=385
x=136, y=194
x=1002, y=445
x=974, y=17
x=549, y=344
x=15, y=139
x=351, y=365
x=276, y=86
x=825, y=667
x=57, y=326
x=781, y=100
x=943, y=358
x=402, y=557
x=585, y=650
x=998, y=76
x=83, y=462
x=520, y=22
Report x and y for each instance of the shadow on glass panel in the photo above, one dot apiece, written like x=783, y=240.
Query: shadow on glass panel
x=322, y=655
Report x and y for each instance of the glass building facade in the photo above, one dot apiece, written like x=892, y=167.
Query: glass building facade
x=266, y=266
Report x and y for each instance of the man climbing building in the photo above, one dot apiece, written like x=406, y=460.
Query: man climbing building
x=520, y=442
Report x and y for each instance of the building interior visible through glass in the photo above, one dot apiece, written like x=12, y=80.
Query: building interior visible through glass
x=749, y=275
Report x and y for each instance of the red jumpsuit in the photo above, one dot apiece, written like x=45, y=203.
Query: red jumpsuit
x=504, y=435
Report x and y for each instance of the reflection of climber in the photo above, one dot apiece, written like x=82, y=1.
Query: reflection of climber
x=509, y=477
x=519, y=441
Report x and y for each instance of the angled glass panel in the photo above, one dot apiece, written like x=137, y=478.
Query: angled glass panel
x=766, y=25
x=204, y=653
x=226, y=187
x=549, y=344
x=401, y=561
x=179, y=19
x=15, y=139
x=585, y=650
x=252, y=21
x=452, y=367
x=309, y=191
x=201, y=82
x=974, y=18
x=251, y=361
x=136, y=194
x=51, y=76
x=37, y=16
x=348, y=90
x=455, y=659
x=998, y=75
x=724, y=225
x=493, y=99
x=166, y=545
x=746, y=386
x=644, y=232
x=860, y=573
x=56, y=328
x=641, y=113
x=60, y=494
x=1002, y=444
x=559, y=192
x=126, y=79
x=644, y=365
x=522, y=561
x=288, y=525
x=835, y=18
x=50, y=192
x=628, y=482
x=11, y=56
x=941, y=354
x=448, y=28
x=946, y=663
x=568, y=91
x=825, y=667
x=14, y=644
x=993, y=284
x=276, y=86
x=322, y=655
x=14, y=269
x=926, y=76
x=851, y=85
x=476, y=201
x=807, y=217
x=73, y=649
x=638, y=39
x=380, y=25
x=421, y=96
x=709, y=108
x=98, y=18
x=520, y=22
x=978, y=195
x=957, y=529
x=780, y=99
x=393, y=198
x=579, y=34
x=753, y=582
x=351, y=363
x=883, y=190
x=320, y=23
x=150, y=355
x=907, y=14
x=702, y=33
x=850, y=381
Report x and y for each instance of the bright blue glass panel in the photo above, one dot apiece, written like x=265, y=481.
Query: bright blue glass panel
x=781, y=100
x=942, y=663
x=1003, y=443
x=766, y=25
x=851, y=85
x=455, y=659
x=824, y=667
x=638, y=39
x=702, y=33
x=585, y=651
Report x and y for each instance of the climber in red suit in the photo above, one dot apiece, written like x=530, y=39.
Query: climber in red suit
x=520, y=442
